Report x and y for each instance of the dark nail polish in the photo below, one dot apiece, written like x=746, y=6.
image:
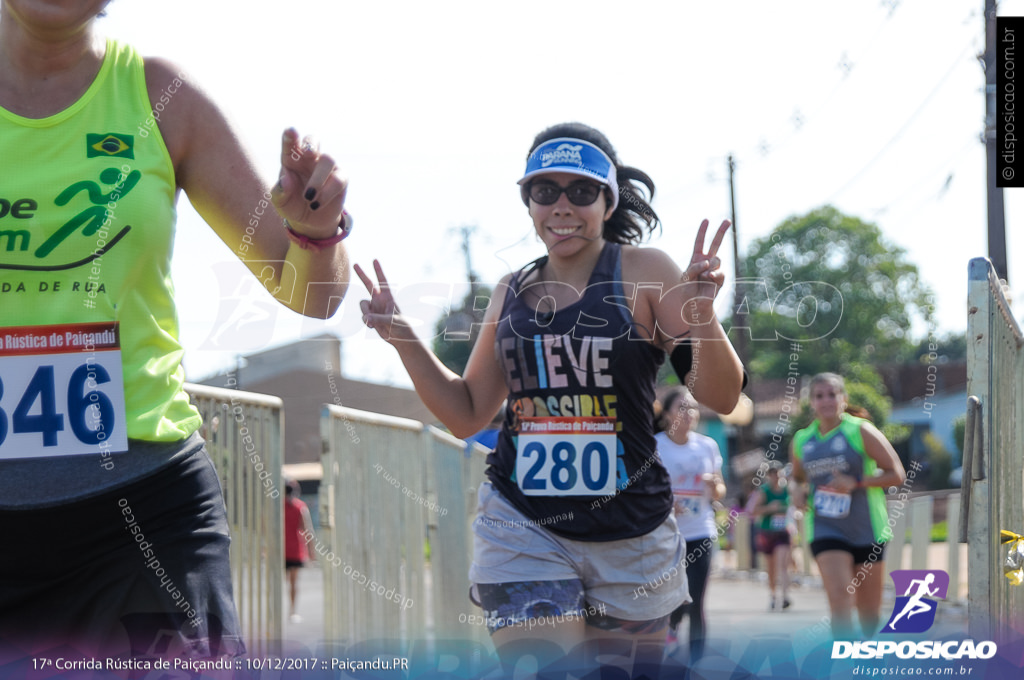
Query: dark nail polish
x=314, y=205
x=310, y=193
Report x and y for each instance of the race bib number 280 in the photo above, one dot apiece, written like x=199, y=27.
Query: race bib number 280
x=61, y=391
x=566, y=456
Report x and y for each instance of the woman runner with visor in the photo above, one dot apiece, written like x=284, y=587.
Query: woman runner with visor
x=575, y=527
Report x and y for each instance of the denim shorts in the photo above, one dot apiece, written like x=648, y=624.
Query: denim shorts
x=635, y=579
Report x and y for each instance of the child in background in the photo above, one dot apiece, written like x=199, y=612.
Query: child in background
x=773, y=539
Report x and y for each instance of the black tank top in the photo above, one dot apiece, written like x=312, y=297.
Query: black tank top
x=576, y=452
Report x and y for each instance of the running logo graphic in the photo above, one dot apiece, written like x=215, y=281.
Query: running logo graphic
x=912, y=613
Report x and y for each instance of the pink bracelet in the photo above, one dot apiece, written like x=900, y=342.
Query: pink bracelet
x=318, y=244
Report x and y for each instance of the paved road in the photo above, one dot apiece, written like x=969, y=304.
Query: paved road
x=737, y=613
x=309, y=605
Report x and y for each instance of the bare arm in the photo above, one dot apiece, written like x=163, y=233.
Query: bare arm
x=885, y=457
x=715, y=481
x=799, y=492
x=681, y=305
x=464, y=404
x=878, y=448
x=307, y=519
x=716, y=485
x=760, y=506
x=221, y=182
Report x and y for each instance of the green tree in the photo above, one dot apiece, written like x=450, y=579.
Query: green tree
x=831, y=284
x=959, y=432
x=455, y=333
x=939, y=460
x=949, y=347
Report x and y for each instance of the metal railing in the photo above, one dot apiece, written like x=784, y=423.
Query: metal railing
x=916, y=515
x=993, y=488
x=392, y=490
x=244, y=435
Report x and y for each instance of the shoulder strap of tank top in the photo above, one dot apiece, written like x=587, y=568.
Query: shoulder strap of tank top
x=609, y=268
x=609, y=265
x=517, y=279
x=515, y=283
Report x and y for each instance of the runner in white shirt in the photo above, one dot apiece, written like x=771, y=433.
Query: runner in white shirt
x=694, y=464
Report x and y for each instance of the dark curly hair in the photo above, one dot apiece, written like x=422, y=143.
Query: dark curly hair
x=663, y=408
x=634, y=219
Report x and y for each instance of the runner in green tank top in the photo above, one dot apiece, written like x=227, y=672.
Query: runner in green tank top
x=111, y=512
x=848, y=464
x=773, y=540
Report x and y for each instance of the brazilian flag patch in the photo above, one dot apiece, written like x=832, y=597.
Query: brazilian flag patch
x=110, y=144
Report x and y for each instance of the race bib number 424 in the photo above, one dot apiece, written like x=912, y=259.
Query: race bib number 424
x=566, y=456
x=61, y=391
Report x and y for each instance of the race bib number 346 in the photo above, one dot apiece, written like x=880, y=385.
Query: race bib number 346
x=566, y=456
x=61, y=391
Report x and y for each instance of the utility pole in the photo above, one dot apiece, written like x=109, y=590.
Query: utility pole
x=744, y=433
x=458, y=327
x=996, y=224
x=738, y=315
x=467, y=232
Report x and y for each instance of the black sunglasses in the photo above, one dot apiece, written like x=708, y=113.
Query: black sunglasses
x=578, y=193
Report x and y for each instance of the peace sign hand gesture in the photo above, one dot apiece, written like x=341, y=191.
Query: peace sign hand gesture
x=705, y=274
x=380, y=312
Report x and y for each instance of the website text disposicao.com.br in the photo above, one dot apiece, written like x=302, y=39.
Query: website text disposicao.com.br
x=908, y=650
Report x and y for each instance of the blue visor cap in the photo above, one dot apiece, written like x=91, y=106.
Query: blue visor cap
x=576, y=157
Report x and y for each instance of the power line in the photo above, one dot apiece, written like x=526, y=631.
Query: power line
x=798, y=120
x=947, y=168
x=906, y=125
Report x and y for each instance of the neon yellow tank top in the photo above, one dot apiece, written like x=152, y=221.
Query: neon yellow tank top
x=87, y=214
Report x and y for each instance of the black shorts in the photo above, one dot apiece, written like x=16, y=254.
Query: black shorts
x=294, y=564
x=861, y=553
x=140, y=570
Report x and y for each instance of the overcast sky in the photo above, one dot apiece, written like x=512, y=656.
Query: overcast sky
x=430, y=108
